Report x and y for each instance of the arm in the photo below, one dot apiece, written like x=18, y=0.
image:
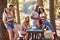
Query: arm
x=23, y=26
x=5, y=19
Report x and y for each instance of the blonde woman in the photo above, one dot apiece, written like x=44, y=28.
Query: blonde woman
x=25, y=26
x=8, y=21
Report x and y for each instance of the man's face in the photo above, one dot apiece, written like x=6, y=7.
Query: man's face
x=10, y=7
x=36, y=8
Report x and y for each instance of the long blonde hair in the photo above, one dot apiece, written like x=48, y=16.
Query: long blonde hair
x=6, y=10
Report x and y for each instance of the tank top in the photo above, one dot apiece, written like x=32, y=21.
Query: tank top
x=42, y=15
x=10, y=17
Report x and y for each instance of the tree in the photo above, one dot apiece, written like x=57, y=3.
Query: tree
x=18, y=14
x=52, y=14
x=40, y=2
x=3, y=31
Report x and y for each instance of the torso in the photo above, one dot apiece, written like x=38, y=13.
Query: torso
x=10, y=18
x=36, y=16
x=42, y=15
x=26, y=25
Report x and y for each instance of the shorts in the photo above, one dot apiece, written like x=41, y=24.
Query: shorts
x=9, y=26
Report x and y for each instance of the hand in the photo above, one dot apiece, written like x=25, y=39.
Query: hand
x=54, y=32
x=28, y=27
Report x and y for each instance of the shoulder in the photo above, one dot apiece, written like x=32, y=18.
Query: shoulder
x=32, y=12
x=23, y=23
x=4, y=14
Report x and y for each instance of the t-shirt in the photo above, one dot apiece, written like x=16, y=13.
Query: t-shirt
x=35, y=14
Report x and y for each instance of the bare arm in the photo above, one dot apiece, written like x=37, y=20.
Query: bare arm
x=29, y=27
x=5, y=19
x=23, y=26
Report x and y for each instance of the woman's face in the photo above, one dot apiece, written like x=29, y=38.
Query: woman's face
x=7, y=10
x=11, y=8
x=27, y=19
x=41, y=10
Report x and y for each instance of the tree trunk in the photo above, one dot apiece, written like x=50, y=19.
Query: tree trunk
x=40, y=2
x=13, y=8
x=3, y=31
x=52, y=14
x=18, y=14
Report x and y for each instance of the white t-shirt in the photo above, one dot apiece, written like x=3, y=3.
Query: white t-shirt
x=35, y=14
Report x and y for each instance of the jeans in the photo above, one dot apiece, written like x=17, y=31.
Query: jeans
x=49, y=25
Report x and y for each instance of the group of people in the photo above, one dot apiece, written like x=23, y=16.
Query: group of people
x=38, y=16
x=40, y=21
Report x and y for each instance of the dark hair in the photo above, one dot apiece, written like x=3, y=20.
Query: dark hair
x=42, y=9
x=10, y=5
x=36, y=7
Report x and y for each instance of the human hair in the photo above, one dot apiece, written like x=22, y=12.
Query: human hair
x=5, y=10
x=42, y=9
x=11, y=5
x=36, y=7
x=27, y=19
x=39, y=11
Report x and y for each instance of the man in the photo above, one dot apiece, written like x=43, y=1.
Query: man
x=35, y=16
x=10, y=7
x=12, y=31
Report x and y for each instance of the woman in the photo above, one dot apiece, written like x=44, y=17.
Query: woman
x=45, y=23
x=25, y=26
x=9, y=24
x=42, y=15
x=44, y=20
